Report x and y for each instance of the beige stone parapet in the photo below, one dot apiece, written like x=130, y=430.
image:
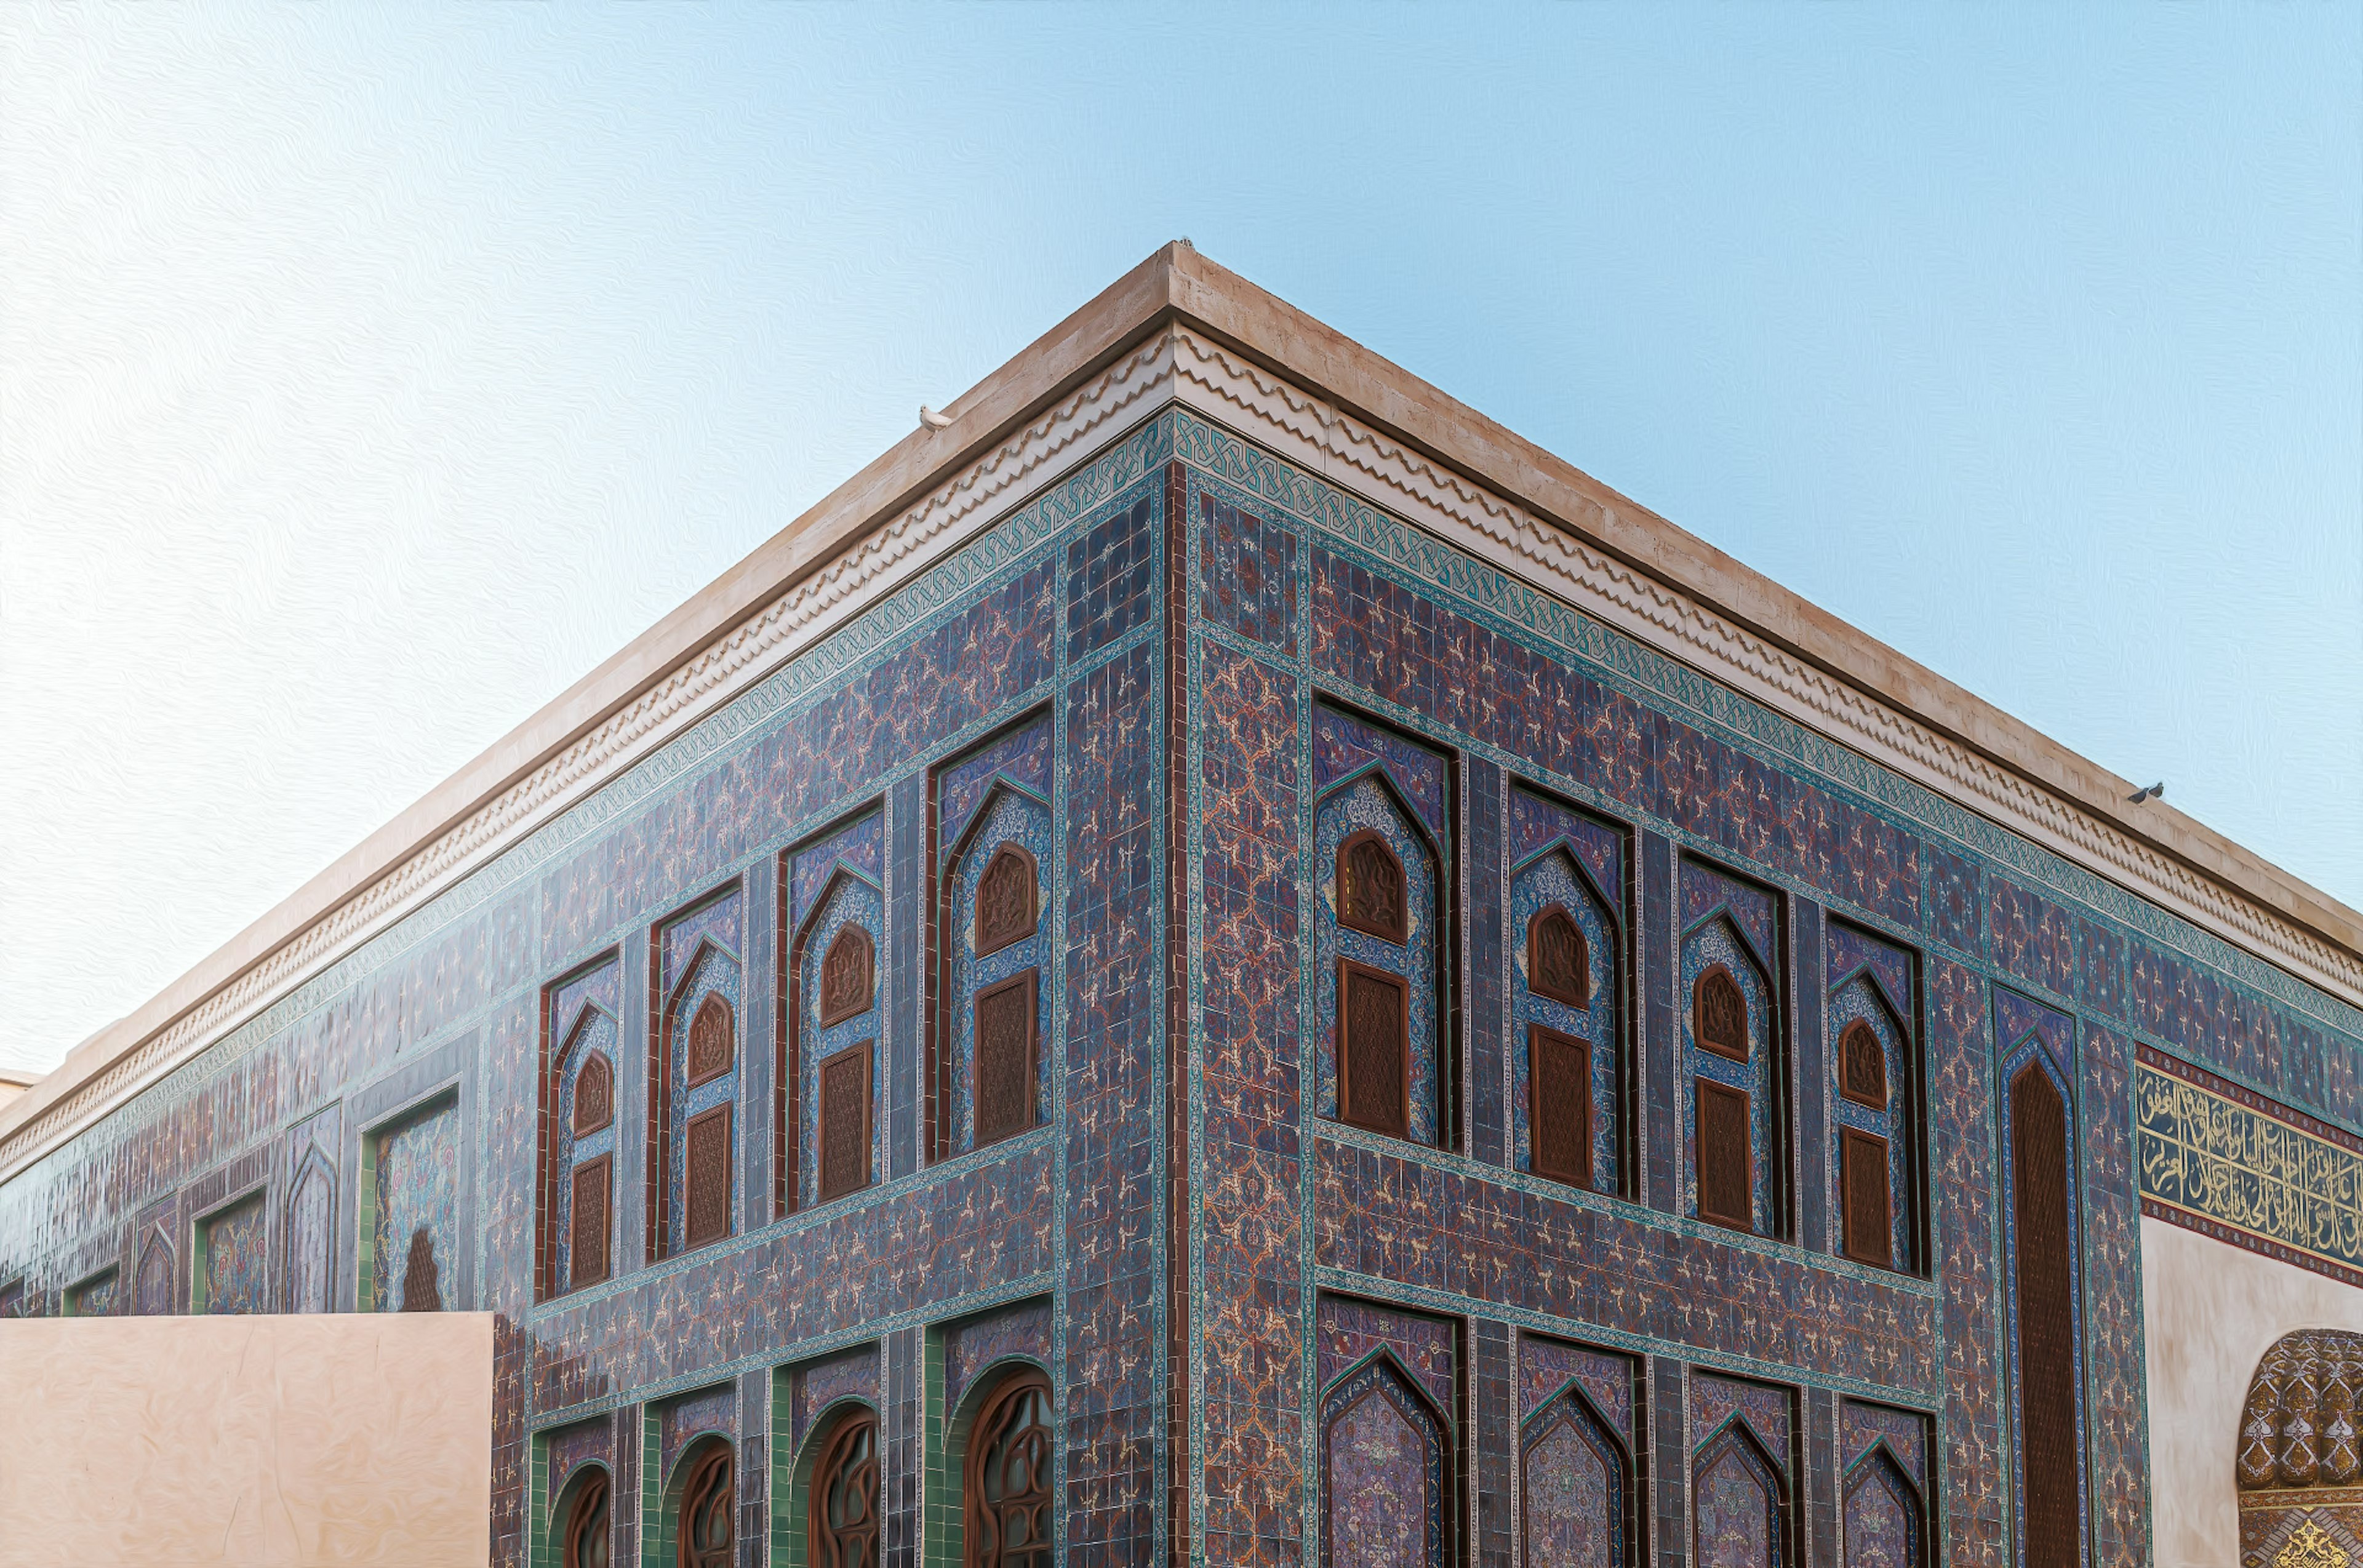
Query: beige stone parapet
x=277, y=1441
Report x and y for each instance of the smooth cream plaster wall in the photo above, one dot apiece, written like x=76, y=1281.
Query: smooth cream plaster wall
x=2209, y=1312
x=247, y=1442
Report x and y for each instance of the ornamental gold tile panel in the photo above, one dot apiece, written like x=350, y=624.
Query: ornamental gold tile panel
x=2231, y=1163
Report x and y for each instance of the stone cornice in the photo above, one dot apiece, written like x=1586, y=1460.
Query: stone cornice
x=1245, y=357
x=879, y=560
x=1324, y=440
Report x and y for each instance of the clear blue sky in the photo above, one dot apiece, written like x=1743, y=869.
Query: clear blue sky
x=367, y=374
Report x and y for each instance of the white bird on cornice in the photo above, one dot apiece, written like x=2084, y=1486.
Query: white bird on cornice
x=931, y=419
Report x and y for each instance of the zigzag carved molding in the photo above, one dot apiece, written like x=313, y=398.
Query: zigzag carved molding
x=1392, y=475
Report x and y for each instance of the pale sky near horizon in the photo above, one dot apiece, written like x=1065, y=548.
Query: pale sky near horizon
x=368, y=375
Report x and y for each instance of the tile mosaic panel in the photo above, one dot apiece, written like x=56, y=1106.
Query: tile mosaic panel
x=415, y=1211
x=1882, y=1517
x=308, y=1270
x=681, y=1421
x=1248, y=573
x=1346, y=1330
x=2231, y=1163
x=1572, y=1486
x=236, y=1256
x=858, y=847
x=568, y=1449
x=1740, y=1519
x=851, y=1375
x=1022, y=758
x=1385, y=1480
x=1863, y=1001
x=1716, y=945
x=1550, y=880
x=95, y=1298
x=1367, y=806
x=973, y=1348
x=1861, y=1426
x=1006, y=817
x=1547, y=1367
x=850, y=901
x=1345, y=747
x=1768, y=1411
x=700, y=960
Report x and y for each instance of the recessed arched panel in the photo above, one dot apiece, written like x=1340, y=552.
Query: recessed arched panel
x=694, y=1123
x=1738, y=1520
x=1734, y=1093
x=1882, y=1516
x=1376, y=942
x=2040, y=1278
x=1874, y=1148
x=993, y=1078
x=582, y=1527
x=1572, y=1483
x=309, y=1251
x=1383, y=1477
x=1568, y=1068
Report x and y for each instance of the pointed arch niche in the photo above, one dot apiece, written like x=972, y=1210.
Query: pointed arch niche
x=1381, y=833
x=1577, y=1503
x=582, y=1036
x=1740, y=1513
x=696, y=1052
x=1734, y=1082
x=1570, y=1057
x=1874, y=1153
x=1883, y=1504
x=835, y=1063
x=2039, y=1217
x=989, y=1075
x=1388, y=1381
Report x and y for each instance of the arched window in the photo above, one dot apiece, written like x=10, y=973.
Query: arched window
x=1008, y=900
x=706, y=1503
x=584, y=1538
x=2045, y=1279
x=1568, y=1046
x=1721, y=1014
x=847, y=976
x=594, y=1096
x=1006, y=1480
x=1372, y=898
x=843, y=1519
x=1733, y=1118
x=711, y=1046
x=1559, y=962
x=1862, y=1066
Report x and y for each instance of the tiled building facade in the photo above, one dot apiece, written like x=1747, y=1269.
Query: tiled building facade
x=1220, y=1002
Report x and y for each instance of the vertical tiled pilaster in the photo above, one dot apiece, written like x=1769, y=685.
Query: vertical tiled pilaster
x=1661, y=1034
x=754, y=1458
x=1819, y=1458
x=1669, y=1442
x=1484, y=1006
x=625, y=1501
x=1493, y=1394
x=759, y=1046
x=903, y=1476
x=635, y=1097
x=1809, y=1058
x=907, y=883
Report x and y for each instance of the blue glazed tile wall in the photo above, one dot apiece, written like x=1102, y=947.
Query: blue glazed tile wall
x=1184, y=589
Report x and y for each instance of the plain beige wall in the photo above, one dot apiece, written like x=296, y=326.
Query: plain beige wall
x=2209, y=1312
x=247, y=1442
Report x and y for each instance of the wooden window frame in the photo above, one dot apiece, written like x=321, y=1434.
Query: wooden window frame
x=987, y=1429
x=690, y=1242
x=1347, y=969
x=1698, y=1015
x=865, y=1053
x=987, y=944
x=577, y=1127
x=1855, y=1144
x=834, y=1456
x=1582, y=951
x=1031, y=979
x=593, y=1492
x=1400, y=933
x=604, y=1165
x=715, y=1455
x=1846, y=1086
x=831, y=1013
x=1702, y=1088
x=1537, y=1035
x=691, y=1078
